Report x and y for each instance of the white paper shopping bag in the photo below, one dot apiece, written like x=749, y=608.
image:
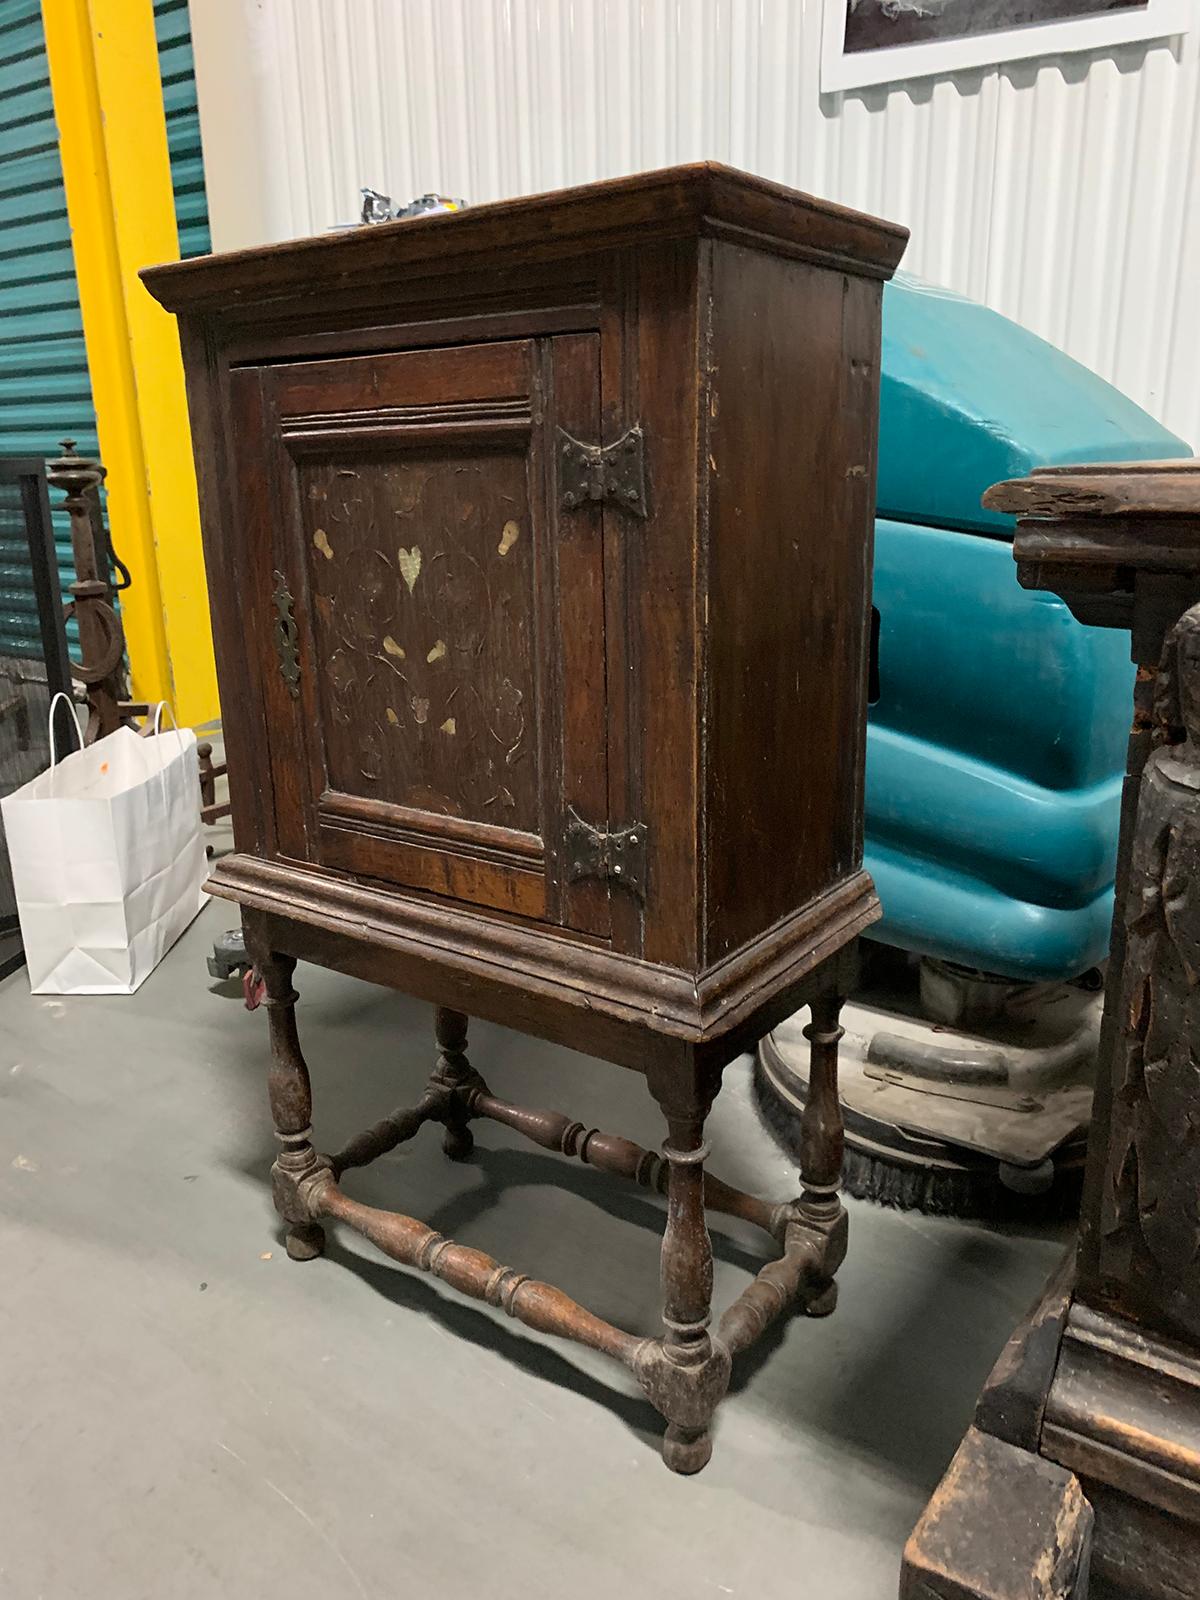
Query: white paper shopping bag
x=107, y=860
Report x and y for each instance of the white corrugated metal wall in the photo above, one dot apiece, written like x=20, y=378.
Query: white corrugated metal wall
x=1066, y=193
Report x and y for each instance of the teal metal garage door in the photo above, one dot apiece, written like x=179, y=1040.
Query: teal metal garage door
x=183, y=125
x=45, y=391
x=45, y=394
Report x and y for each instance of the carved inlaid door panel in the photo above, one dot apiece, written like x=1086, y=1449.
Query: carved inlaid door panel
x=432, y=647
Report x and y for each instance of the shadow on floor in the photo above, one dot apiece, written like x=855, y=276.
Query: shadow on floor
x=899, y=1404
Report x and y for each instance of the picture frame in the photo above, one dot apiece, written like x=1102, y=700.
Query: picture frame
x=1093, y=28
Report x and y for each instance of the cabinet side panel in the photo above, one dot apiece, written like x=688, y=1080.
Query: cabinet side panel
x=791, y=414
x=242, y=715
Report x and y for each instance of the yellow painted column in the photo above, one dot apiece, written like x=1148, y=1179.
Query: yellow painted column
x=108, y=105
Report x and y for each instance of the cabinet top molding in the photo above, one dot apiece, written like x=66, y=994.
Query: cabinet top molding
x=704, y=199
x=1103, y=489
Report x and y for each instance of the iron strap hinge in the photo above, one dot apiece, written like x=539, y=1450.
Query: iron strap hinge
x=612, y=472
x=619, y=855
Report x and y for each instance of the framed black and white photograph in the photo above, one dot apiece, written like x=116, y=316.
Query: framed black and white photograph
x=867, y=42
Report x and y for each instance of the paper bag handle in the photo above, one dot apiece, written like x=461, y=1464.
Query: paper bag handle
x=178, y=731
x=158, y=711
x=61, y=695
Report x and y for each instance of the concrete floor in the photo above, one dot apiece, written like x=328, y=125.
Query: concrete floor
x=187, y=1413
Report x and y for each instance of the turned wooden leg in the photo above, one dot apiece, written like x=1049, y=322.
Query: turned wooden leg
x=454, y=1072
x=822, y=1133
x=687, y=1280
x=291, y=1110
x=208, y=783
x=685, y=1373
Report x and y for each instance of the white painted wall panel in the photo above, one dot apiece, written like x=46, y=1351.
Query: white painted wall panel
x=1065, y=193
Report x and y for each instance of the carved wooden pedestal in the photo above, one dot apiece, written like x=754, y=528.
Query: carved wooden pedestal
x=685, y=1372
x=1093, y=1412
x=101, y=667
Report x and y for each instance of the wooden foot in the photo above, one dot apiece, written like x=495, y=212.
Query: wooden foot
x=458, y=1142
x=305, y=1241
x=687, y=1450
x=821, y=1304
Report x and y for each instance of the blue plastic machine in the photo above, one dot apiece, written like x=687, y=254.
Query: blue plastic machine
x=996, y=748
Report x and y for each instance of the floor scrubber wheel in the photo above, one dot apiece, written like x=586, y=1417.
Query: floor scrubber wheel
x=894, y=1168
x=963, y=1094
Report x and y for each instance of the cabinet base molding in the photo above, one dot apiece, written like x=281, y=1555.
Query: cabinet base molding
x=1123, y=1414
x=1084, y=1417
x=582, y=995
x=1002, y=1525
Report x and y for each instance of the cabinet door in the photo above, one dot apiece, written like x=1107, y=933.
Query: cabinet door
x=446, y=701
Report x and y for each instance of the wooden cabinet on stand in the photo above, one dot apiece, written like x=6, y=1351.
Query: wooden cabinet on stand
x=539, y=549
